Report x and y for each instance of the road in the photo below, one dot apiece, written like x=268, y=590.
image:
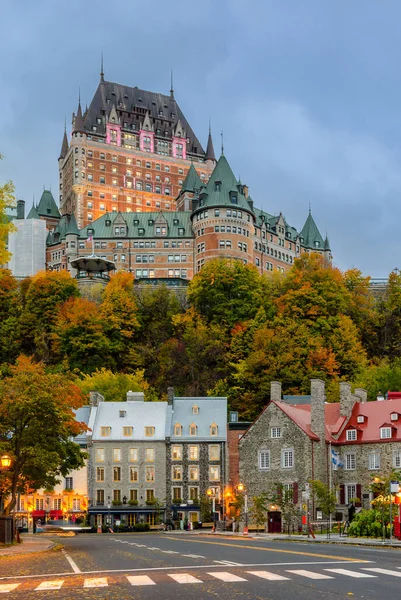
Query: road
x=186, y=566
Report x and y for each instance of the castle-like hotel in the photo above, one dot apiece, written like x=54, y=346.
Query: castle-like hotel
x=139, y=192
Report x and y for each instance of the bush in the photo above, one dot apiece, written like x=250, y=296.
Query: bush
x=368, y=523
x=142, y=527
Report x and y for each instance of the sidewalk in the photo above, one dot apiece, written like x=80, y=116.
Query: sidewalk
x=30, y=543
x=319, y=539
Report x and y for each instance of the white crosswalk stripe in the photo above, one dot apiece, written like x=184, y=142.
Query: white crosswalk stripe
x=184, y=578
x=96, y=582
x=227, y=577
x=354, y=574
x=382, y=571
x=8, y=587
x=140, y=580
x=50, y=585
x=269, y=576
x=309, y=574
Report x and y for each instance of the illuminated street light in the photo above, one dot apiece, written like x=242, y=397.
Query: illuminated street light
x=5, y=461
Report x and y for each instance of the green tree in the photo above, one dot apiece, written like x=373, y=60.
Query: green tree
x=10, y=312
x=259, y=511
x=380, y=486
x=36, y=428
x=326, y=498
x=114, y=386
x=7, y=200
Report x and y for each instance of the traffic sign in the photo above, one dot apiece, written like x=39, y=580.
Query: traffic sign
x=304, y=506
x=394, y=487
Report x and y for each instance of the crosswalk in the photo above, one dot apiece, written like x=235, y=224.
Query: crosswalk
x=241, y=576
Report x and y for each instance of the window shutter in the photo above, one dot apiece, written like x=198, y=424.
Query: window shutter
x=295, y=492
x=342, y=494
x=358, y=494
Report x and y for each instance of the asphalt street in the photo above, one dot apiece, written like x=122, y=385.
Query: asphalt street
x=185, y=566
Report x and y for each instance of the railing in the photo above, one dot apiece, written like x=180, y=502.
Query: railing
x=85, y=275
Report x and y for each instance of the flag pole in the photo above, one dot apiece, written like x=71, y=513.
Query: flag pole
x=330, y=480
x=93, y=246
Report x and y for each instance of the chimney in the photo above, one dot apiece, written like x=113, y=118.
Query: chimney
x=135, y=396
x=246, y=191
x=20, y=209
x=170, y=395
x=275, y=391
x=95, y=398
x=346, y=399
x=361, y=394
x=318, y=398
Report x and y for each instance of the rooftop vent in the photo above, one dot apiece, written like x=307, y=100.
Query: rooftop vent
x=135, y=396
x=123, y=413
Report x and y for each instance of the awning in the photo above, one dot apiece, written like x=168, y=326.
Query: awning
x=38, y=513
x=101, y=510
x=55, y=514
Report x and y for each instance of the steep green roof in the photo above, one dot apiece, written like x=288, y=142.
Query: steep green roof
x=33, y=213
x=47, y=206
x=222, y=188
x=146, y=222
x=72, y=227
x=192, y=181
x=311, y=235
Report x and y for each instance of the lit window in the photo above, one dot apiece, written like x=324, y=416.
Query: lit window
x=133, y=454
x=116, y=454
x=149, y=455
x=177, y=473
x=214, y=452
x=176, y=452
x=193, y=429
x=149, y=474
x=99, y=454
x=193, y=452
x=193, y=473
x=149, y=431
x=214, y=429
x=99, y=473
x=105, y=431
x=214, y=473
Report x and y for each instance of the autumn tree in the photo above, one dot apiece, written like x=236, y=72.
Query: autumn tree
x=114, y=386
x=36, y=428
x=10, y=312
x=7, y=200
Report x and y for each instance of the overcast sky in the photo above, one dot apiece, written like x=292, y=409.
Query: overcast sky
x=307, y=92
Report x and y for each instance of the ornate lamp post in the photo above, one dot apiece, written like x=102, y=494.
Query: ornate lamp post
x=241, y=488
x=212, y=494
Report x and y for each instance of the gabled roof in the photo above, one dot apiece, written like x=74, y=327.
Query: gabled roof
x=221, y=185
x=311, y=235
x=377, y=414
x=192, y=181
x=72, y=227
x=33, y=213
x=47, y=206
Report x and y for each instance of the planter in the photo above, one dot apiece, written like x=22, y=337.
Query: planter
x=117, y=503
x=133, y=502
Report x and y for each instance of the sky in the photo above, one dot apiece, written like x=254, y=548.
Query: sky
x=308, y=95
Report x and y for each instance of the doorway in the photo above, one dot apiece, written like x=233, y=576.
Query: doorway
x=274, y=522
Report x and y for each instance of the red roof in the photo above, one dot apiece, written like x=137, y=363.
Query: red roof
x=377, y=414
x=301, y=415
x=393, y=395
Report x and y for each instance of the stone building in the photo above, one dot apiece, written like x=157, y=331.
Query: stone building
x=291, y=444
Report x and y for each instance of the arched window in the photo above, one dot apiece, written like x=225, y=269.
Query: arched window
x=195, y=409
x=214, y=429
x=193, y=429
x=177, y=429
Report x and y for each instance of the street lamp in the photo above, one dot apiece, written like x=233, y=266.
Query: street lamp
x=241, y=488
x=108, y=508
x=212, y=494
x=5, y=461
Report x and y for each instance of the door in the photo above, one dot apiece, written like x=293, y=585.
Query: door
x=274, y=522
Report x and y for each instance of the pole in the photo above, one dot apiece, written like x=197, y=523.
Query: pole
x=330, y=482
x=246, y=509
x=391, y=515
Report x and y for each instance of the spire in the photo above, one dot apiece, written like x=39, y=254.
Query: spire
x=101, y=68
x=64, y=145
x=311, y=234
x=222, y=143
x=172, y=86
x=210, y=150
x=79, y=121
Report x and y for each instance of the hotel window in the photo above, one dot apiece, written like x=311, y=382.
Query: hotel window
x=56, y=504
x=275, y=432
x=116, y=473
x=177, y=494
x=69, y=483
x=149, y=431
x=99, y=497
x=193, y=453
x=176, y=452
x=264, y=459
x=350, y=462
x=351, y=435
x=193, y=494
x=127, y=431
x=287, y=458
x=149, y=455
x=102, y=180
x=116, y=454
x=99, y=473
x=149, y=474
x=177, y=430
x=167, y=191
x=99, y=454
x=214, y=452
x=133, y=495
x=193, y=473
x=193, y=430
x=105, y=431
x=385, y=433
x=214, y=473
x=177, y=472
x=213, y=429
x=133, y=474
x=374, y=460
x=116, y=495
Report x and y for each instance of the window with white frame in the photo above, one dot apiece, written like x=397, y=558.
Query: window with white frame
x=193, y=473
x=214, y=473
x=69, y=483
x=193, y=453
x=99, y=454
x=394, y=416
x=287, y=458
x=133, y=474
x=57, y=504
x=116, y=454
x=397, y=459
x=350, y=461
x=133, y=454
x=264, y=459
x=351, y=435
x=214, y=452
x=177, y=430
x=385, y=433
x=350, y=492
x=149, y=455
x=149, y=473
x=275, y=432
x=177, y=473
x=176, y=452
x=374, y=460
x=99, y=473
x=360, y=419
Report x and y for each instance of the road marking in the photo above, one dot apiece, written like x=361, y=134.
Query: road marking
x=383, y=571
x=170, y=552
x=193, y=555
x=227, y=577
x=275, y=550
x=50, y=585
x=269, y=576
x=152, y=548
x=310, y=574
x=73, y=564
x=140, y=580
x=184, y=578
x=8, y=587
x=228, y=563
x=354, y=574
x=96, y=582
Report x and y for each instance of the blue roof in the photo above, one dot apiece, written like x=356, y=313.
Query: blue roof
x=211, y=410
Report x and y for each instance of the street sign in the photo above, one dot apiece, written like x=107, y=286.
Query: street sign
x=304, y=506
x=394, y=487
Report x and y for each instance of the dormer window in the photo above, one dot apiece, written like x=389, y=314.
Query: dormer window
x=360, y=419
x=394, y=416
x=214, y=429
x=317, y=244
x=217, y=186
x=195, y=409
x=177, y=429
x=128, y=431
x=123, y=413
x=234, y=198
x=149, y=431
x=193, y=429
x=385, y=433
x=351, y=435
x=105, y=431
